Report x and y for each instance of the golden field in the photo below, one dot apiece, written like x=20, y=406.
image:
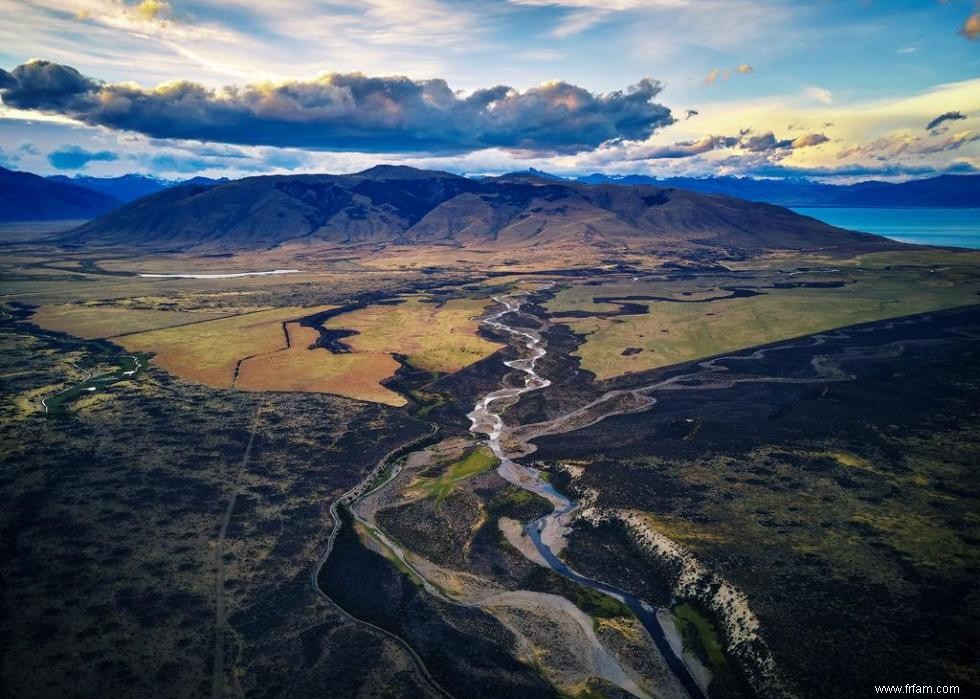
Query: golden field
x=208, y=352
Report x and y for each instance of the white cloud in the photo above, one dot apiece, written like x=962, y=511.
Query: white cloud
x=820, y=94
x=584, y=14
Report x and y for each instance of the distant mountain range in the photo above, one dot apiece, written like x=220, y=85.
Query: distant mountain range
x=127, y=188
x=27, y=197
x=402, y=205
x=315, y=205
x=954, y=191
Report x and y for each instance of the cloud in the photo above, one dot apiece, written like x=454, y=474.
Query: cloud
x=946, y=116
x=720, y=74
x=152, y=9
x=820, y=94
x=808, y=140
x=765, y=144
x=348, y=112
x=584, y=14
x=205, y=150
x=683, y=149
x=971, y=27
x=76, y=158
x=7, y=159
x=950, y=143
x=905, y=143
x=768, y=142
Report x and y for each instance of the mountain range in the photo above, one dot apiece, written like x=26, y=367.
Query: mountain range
x=24, y=196
x=402, y=205
x=953, y=191
x=27, y=197
x=127, y=188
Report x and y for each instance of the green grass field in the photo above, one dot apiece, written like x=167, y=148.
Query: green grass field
x=477, y=461
x=672, y=333
x=700, y=636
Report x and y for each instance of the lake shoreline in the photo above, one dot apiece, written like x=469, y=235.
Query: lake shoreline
x=935, y=226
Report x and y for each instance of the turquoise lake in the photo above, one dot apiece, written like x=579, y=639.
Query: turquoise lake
x=956, y=227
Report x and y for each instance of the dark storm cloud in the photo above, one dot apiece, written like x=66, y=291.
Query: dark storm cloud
x=948, y=116
x=50, y=85
x=75, y=158
x=351, y=112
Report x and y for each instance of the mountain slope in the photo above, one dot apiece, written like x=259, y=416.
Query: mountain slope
x=125, y=188
x=27, y=197
x=389, y=204
x=945, y=191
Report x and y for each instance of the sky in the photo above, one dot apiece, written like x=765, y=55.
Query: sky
x=835, y=90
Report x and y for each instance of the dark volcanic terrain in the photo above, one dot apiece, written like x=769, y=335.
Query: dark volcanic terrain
x=832, y=479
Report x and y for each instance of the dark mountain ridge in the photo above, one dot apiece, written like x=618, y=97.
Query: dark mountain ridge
x=402, y=205
x=951, y=191
x=127, y=188
x=28, y=197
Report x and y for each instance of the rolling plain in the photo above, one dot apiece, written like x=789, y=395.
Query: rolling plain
x=284, y=483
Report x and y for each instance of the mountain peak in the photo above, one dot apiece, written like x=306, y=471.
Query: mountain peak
x=401, y=172
x=531, y=174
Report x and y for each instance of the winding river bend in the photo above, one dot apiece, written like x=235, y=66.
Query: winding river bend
x=548, y=530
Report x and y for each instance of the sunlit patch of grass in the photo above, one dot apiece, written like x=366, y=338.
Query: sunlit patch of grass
x=925, y=541
x=435, y=337
x=477, y=461
x=91, y=320
x=209, y=352
x=701, y=636
x=627, y=627
x=672, y=333
x=299, y=368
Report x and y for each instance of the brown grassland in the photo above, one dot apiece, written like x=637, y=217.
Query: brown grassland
x=208, y=352
x=353, y=375
x=685, y=330
x=436, y=337
x=91, y=321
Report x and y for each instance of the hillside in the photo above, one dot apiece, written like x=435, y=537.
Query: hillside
x=27, y=197
x=388, y=204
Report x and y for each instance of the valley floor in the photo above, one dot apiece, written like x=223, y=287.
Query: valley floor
x=764, y=473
